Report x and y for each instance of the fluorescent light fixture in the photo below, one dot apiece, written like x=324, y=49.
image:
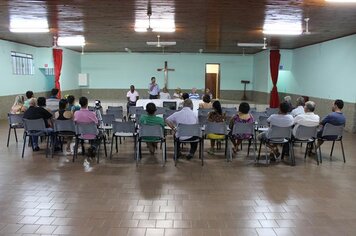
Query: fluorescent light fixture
x=250, y=44
x=340, y=1
x=18, y=25
x=71, y=41
x=283, y=28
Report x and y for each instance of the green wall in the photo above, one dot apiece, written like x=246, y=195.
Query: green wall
x=120, y=70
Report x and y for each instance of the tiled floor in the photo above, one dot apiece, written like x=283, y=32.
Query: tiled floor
x=40, y=196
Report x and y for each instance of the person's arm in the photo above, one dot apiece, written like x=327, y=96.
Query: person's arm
x=171, y=125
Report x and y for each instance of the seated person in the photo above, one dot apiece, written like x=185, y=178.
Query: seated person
x=288, y=99
x=282, y=119
x=184, y=116
x=151, y=119
x=64, y=114
x=177, y=94
x=300, y=107
x=29, y=95
x=84, y=116
x=164, y=94
x=194, y=95
x=206, y=104
x=308, y=118
x=18, y=107
x=41, y=102
x=242, y=116
x=336, y=117
x=52, y=101
x=215, y=116
x=71, y=104
x=35, y=112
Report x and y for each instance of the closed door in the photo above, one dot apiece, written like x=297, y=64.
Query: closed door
x=212, y=79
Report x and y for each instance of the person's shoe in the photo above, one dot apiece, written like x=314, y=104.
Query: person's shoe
x=90, y=152
x=36, y=149
x=189, y=156
x=211, y=152
x=272, y=157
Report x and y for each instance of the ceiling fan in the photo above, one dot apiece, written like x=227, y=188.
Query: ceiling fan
x=306, y=31
x=160, y=44
x=254, y=45
x=149, y=14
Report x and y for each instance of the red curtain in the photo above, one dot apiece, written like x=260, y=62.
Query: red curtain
x=274, y=59
x=57, y=58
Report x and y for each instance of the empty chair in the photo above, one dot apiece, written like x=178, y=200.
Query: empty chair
x=118, y=113
x=270, y=111
x=15, y=122
x=136, y=111
x=168, y=113
x=90, y=132
x=245, y=131
x=63, y=129
x=305, y=134
x=118, y=108
x=152, y=134
x=191, y=130
x=229, y=111
x=332, y=133
x=278, y=135
x=256, y=115
x=37, y=128
x=123, y=129
x=262, y=124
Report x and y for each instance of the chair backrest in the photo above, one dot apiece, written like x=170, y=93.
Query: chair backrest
x=151, y=131
x=229, y=111
x=124, y=127
x=256, y=115
x=118, y=114
x=64, y=125
x=168, y=113
x=276, y=132
x=189, y=130
x=161, y=110
x=91, y=108
x=117, y=108
x=135, y=109
x=305, y=132
x=86, y=129
x=108, y=118
x=204, y=112
x=333, y=130
x=243, y=128
x=202, y=120
x=262, y=121
x=270, y=111
x=34, y=125
x=15, y=119
x=215, y=128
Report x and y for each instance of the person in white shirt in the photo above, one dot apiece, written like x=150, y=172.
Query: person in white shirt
x=165, y=94
x=177, y=94
x=184, y=116
x=300, y=107
x=308, y=118
x=132, y=97
x=282, y=119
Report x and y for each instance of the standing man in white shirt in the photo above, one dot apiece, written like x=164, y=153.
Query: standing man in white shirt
x=153, y=89
x=132, y=97
x=300, y=107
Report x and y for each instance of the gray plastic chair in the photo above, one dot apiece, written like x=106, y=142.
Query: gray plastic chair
x=90, y=132
x=218, y=128
x=271, y=111
x=305, y=134
x=229, y=111
x=123, y=129
x=204, y=112
x=245, y=128
x=118, y=114
x=189, y=130
x=135, y=110
x=117, y=108
x=15, y=122
x=332, y=133
x=278, y=135
x=62, y=129
x=151, y=131
x=36, y=127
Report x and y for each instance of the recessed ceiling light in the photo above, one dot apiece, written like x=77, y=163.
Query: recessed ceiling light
x=71, y=41
x=19, y=25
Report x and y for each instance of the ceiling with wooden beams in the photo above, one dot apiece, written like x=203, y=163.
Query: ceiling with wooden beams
x=208, y=26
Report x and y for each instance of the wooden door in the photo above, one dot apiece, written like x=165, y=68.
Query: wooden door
x=210, y=82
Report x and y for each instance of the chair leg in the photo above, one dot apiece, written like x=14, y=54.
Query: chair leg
x=8, y=137
x=138, y=151
x=15, y=134
x=175, y=154
x=259, y=151
x=332, y=149
x=111, y=146
x=291, y=154
x=24, y=143
x=201, y=151
x=98, y=152
x=75, y=151
x=343, y=152
x=320, y=156
x=117, y=150
x=248, y=147
x=47, y=150
x=316, y=152
x=163, y=154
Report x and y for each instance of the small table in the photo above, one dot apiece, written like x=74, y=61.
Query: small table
x=244, y=97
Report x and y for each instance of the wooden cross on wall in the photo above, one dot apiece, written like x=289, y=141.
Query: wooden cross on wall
x=165, y=70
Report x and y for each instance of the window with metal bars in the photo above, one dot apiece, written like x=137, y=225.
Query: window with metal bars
x=22, y=63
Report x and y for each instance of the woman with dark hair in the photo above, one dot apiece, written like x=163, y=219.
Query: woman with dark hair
x=64, y=114
x=206, y=104
x=242, y=116
x=215, y=116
